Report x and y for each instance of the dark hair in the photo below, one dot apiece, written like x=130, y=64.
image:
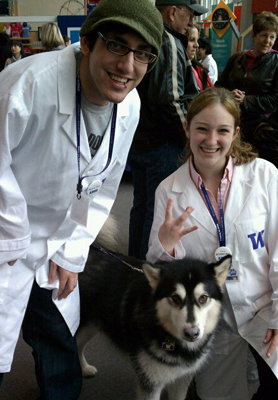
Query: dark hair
x=4, y=39
x=266, y=21
x=19, y=44
x=66, y=38
x=242, y=152
x=205, y=43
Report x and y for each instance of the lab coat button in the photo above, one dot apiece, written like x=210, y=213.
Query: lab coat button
x=237, y=308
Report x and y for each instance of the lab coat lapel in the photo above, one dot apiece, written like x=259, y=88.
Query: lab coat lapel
x=67, y=99
x=98, y=162
x=241, y=188
x=191, y=197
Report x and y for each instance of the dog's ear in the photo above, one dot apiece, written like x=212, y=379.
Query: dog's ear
x=221, y=269
x=152, y=274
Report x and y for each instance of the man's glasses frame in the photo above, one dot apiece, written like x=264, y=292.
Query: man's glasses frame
x=120, y=49
x=191, y=15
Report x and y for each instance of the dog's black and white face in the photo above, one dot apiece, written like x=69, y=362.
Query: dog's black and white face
x=188, y=296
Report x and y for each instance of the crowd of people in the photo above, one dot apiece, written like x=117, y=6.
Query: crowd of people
x=12, y=49
x=203, y=151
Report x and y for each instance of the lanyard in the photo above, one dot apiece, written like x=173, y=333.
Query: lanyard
x=111, y=141
x=220, y=228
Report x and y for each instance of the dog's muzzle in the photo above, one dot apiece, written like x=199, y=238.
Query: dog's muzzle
x=192, y=334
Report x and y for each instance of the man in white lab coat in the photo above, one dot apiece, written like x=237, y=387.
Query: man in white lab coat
x=67, y=120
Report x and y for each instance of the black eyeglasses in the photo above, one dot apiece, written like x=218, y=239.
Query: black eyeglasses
x=121, y=49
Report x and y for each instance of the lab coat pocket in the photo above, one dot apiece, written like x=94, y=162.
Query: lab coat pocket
x=262, y=304
x=251, y=240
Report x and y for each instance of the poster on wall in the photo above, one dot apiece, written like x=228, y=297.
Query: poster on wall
x=221, y=48
x=70, y=26
x=221, y=35
x=73, y=34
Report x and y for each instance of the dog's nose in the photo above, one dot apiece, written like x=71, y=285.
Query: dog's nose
x=192, y=334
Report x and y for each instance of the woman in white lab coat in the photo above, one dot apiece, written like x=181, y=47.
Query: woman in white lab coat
x=225, y=200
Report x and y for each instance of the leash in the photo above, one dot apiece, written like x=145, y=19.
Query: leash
x=98, y=247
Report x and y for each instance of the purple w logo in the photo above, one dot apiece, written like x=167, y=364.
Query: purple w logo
x=257, y=239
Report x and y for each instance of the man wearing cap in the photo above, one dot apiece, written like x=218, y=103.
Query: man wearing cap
x=160, y=137
x=67, y=120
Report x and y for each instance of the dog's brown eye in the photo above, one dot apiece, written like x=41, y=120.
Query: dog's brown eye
x=176, y=299
x=203, y=299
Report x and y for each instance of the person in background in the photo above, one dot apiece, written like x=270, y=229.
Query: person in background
x=205, y=57
x=160, y=138
x=252, y=75
x=51, y=37
x=17, y=50
x=67, y=40
x=224, y=200
x=5, y=49
x=67, y=120
x=201, y=74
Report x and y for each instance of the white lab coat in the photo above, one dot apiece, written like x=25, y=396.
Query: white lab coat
x=38, y=167
x=251, y=210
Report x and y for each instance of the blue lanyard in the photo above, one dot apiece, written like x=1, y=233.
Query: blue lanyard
x=220, y=228
x=111, y=141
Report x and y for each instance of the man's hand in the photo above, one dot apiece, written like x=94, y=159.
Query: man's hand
x=272, y=338
x=67, y=280
x=172, y=230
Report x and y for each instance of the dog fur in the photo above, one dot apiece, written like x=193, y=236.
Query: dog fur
x=164, y=316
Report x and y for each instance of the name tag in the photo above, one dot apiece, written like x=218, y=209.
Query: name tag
x=80, y=209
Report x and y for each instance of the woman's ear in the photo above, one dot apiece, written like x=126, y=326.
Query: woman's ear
x=186, y=129
x=236, y=132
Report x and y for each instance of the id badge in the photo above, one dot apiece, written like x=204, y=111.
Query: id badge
x=80, y=209
x=232, y=275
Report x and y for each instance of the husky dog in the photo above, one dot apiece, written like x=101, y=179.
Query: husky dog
x=163, y=316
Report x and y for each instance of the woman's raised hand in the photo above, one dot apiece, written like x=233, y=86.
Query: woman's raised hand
x=172, y=230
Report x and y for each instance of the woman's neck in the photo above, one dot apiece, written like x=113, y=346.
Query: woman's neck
x=255, y=54
x=211, y=178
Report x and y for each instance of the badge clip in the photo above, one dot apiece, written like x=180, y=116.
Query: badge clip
x=79, y=188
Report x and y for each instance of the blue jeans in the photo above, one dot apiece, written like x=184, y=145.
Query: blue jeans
x=148, y=170
x=57, y=365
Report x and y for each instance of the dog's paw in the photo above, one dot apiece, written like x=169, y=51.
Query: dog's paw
x=89, y=371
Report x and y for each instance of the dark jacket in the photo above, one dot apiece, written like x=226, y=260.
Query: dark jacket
x=165, y=93
x=265, y=139
x=5, y=52
x=260, y=84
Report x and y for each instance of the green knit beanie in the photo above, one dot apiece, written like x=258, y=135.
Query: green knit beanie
x=139, y=15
